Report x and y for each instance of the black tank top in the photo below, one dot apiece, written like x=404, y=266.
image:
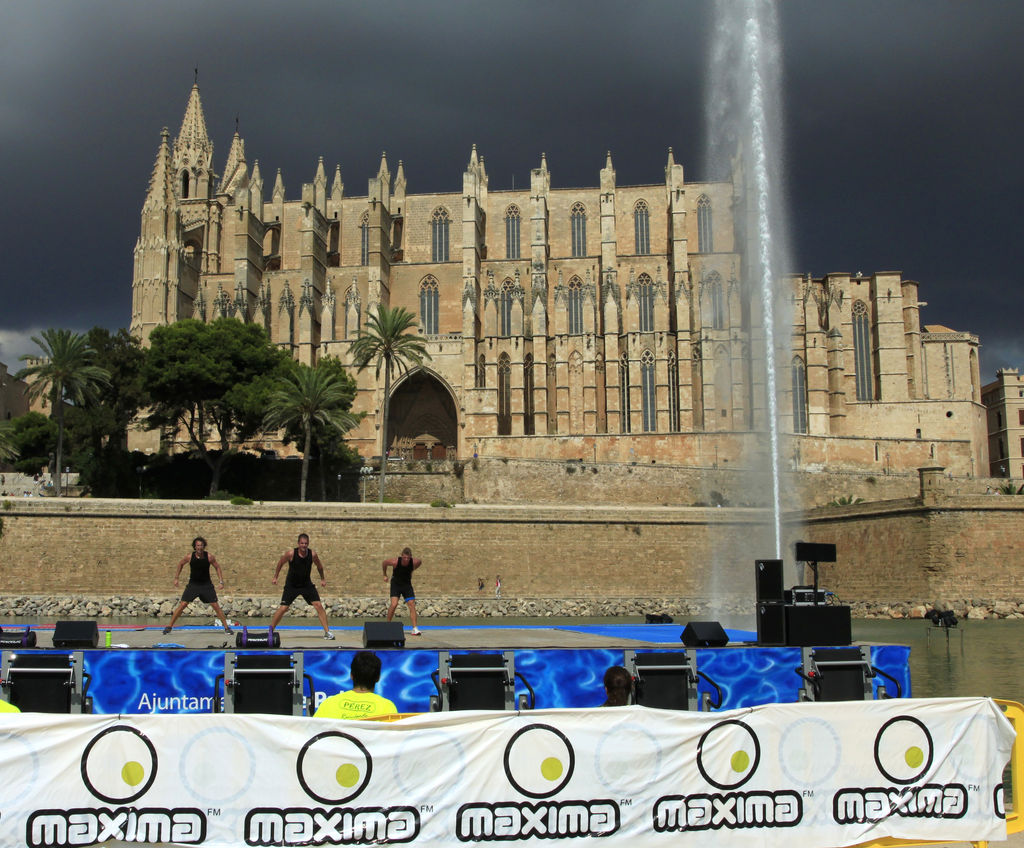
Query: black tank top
x=300, y=568
x=402, y=573
x=199, y=568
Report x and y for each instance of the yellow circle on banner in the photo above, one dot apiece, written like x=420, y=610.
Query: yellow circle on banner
x=551, y=768
x=740, y=762
x=133, y=773
x=347, y=775
x=914, y=757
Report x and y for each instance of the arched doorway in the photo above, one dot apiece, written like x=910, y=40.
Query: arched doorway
x=422, y=419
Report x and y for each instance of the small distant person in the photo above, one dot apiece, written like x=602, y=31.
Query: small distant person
x=7, y=707
x=401, y=584
x=479, y=584
x=618, y=687
x=199, y=584
x=497, y=586
x=360, y=701
x=298, y=581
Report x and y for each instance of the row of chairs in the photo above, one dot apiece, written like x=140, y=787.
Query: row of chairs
x=276, y=683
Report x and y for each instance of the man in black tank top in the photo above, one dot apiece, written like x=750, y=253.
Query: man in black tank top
x=298, y=581
x=401, y=584
x=199, y=584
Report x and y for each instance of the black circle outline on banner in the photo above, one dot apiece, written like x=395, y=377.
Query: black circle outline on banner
x=700, y=754
x=85, y=759
x=568, y=771
x=927, y=763
x=362, y=783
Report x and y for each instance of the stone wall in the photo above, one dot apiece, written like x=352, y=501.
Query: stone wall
x=963, y=550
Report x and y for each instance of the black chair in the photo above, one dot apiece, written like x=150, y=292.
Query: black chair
x=263, y=683
x=37, y=682
x=478, y=681
x=668, y=680
x=840, y=674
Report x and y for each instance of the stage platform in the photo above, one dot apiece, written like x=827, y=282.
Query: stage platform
x=145, y=671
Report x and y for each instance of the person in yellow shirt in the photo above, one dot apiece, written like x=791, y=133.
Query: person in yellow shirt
x=360, y=701
x=6, y=707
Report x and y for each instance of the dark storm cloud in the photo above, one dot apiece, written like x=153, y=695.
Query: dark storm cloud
x=902, y=122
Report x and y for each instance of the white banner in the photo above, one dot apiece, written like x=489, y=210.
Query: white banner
x=813, y=773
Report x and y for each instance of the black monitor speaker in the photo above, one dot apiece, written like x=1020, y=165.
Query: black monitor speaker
x=815, y=552
x=809, y=626
x=768, y=579
x=771, y=623
x=383, y=634
x=704, y=634
x=76, y=634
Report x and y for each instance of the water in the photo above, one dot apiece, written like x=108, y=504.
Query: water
x=744, y=116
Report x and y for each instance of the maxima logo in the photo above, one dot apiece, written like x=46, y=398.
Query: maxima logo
x=727, y=757
x=903, y=755
x=539, y=761
x=118, y=766
x=333, y=768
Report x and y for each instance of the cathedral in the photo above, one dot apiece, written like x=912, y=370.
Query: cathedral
x=609, y=323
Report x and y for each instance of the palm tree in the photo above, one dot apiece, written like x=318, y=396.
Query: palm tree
x=306, y=396
x=386, y=342
x=7, y=449
x=64, y=373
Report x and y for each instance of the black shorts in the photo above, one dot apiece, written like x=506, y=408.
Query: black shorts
x=290, y=593
x=204, y=591
x=402, y=590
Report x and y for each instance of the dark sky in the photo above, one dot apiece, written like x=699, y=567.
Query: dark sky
x=903, y=126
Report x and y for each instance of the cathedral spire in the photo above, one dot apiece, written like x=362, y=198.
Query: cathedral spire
x=235, y=170
x=193, y=150
x=382, y=171
x=161, y=182
x=671, y=159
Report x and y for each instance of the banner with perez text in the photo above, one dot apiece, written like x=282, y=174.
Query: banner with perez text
x=822, y=773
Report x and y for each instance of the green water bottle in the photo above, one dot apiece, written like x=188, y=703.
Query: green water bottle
x=107, y=640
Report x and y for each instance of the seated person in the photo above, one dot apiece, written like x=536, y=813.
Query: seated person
x=618, y=687
x=360, y=701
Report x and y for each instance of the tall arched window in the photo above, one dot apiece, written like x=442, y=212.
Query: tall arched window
x=512, y=232
x=642, y=227
x=364, y=239
x=673, y=393
x=575, y=306
x=428, y=306
x=505, y=309
x=705, y=239
x=528, y=408
x=716, y=292
x=645, y=302
x=578, y=220
x=862, y=351
x=184, y=184
x=504, y=395
x=624, y=426
x=439, y=235
x=647, y=395
x=799, y=395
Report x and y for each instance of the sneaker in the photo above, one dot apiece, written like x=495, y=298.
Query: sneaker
x=328, y=636
x=416, y=632
x=167, y=630
x=228, y=629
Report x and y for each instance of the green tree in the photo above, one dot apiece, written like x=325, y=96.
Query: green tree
x=211, y=381
x=8, y=451
x=35, y=437
x=387, y=342
x=98, y=434
x=65, y=373
x=306, y=397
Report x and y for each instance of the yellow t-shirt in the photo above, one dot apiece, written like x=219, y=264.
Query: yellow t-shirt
x=354, y=704
x=8, y=708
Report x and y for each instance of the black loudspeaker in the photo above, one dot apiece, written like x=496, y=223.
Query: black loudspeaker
x=815, y=552
x=771, y=623
x=383, y=634
x=768, y=579
x=76, y=634
x=704, y=634
x=809, y=626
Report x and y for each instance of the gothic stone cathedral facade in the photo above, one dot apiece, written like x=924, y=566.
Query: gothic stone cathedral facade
x=604, y=323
